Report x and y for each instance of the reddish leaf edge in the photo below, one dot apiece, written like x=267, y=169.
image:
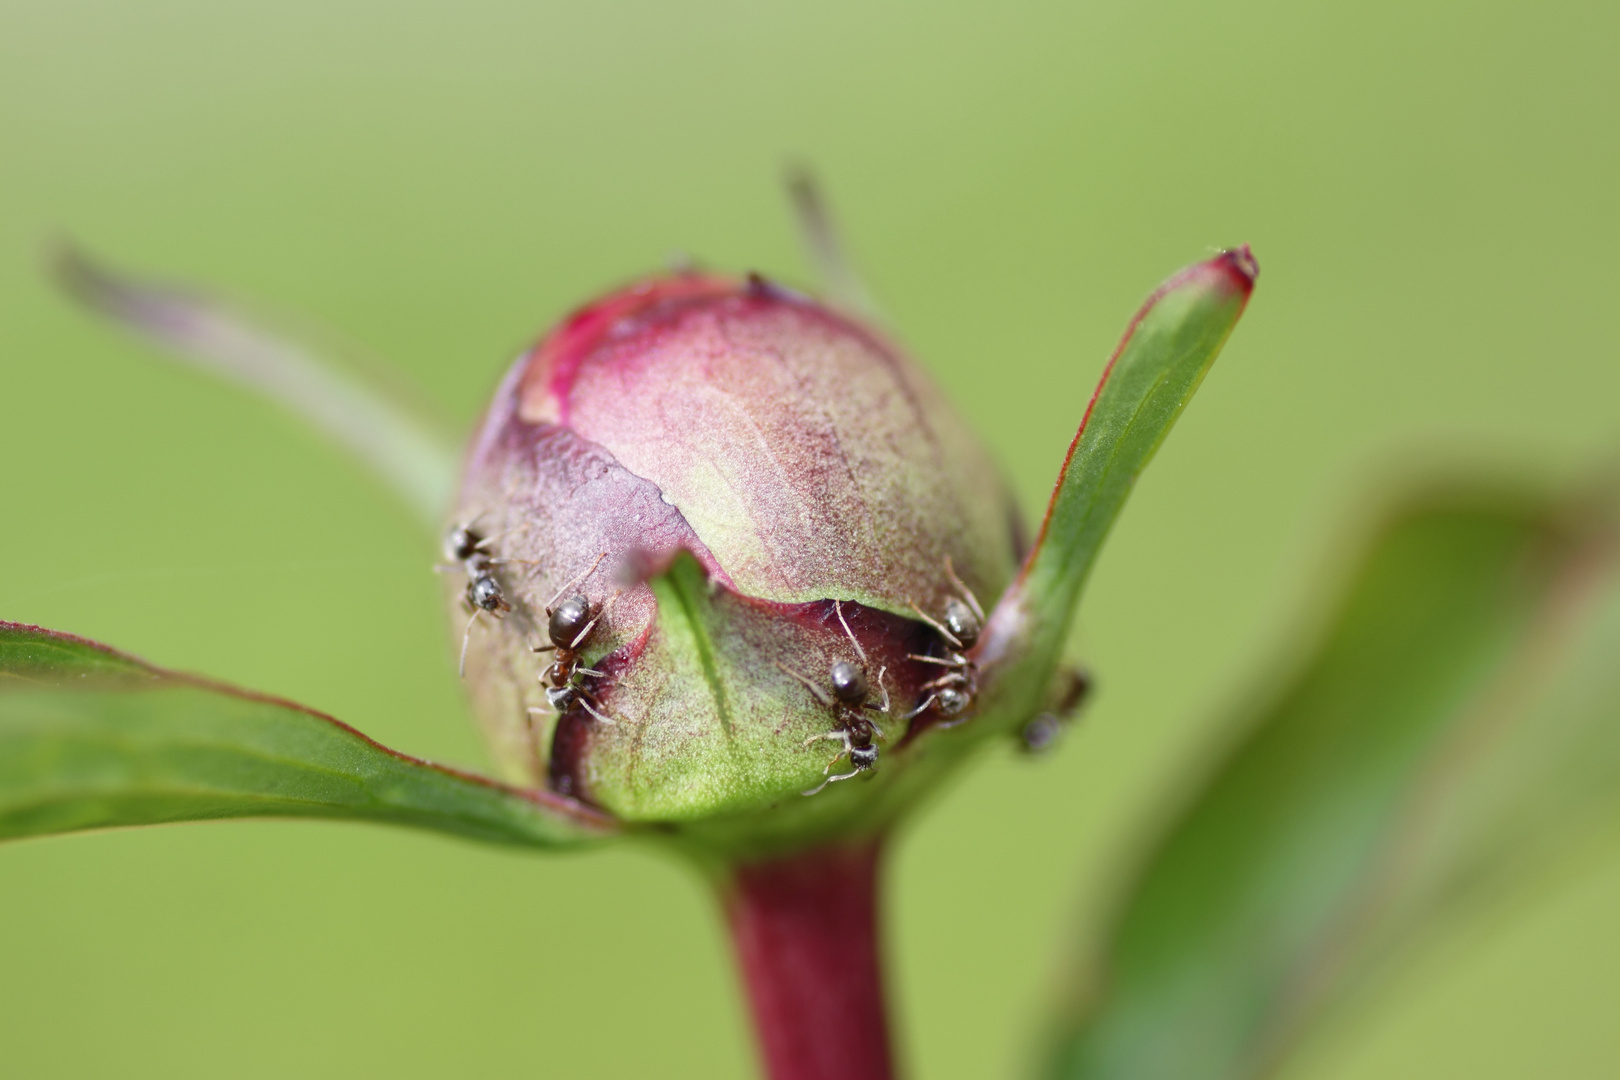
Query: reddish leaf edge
x=579, y=813
x=1239, y=268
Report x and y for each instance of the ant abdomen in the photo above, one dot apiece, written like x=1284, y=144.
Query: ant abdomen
x=849, y=683
x=961, y=621
x=567, y=621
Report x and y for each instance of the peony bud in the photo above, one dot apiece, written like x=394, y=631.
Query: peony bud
x=747, y=502
x=726, y=549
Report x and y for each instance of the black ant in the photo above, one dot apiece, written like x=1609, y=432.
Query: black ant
x=953, y=691
x=467, y=547
x=848, y=701
x=569, y=624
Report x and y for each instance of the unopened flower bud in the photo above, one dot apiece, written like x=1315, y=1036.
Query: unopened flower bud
x=725, y=548
x=749, y=536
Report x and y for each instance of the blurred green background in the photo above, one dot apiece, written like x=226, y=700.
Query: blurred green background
x=1430, y=189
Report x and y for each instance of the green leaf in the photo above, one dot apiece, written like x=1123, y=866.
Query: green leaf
x=823, y=245
x=1155, y=371
x=91, y=738
x=1457, y=723
x=371, y=415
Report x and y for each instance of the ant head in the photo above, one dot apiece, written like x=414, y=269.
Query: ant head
x=485, y=592
x=848, y=683
x=561, y=698
x=568, y=620
x=862, y=758
x=961, y=622
x=951, y=701
x=461, y=542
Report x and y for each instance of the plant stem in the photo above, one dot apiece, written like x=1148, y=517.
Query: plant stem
x=805, y=931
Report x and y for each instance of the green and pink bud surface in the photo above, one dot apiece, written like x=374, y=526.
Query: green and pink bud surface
x=756, y=546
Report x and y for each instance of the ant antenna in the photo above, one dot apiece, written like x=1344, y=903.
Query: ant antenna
x=588, y=571
x=961, y=587
x=600, y=716
x=465, y=637
x=920, y=709
x=838, y=609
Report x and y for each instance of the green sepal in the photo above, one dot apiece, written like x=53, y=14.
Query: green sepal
x=1158, y=366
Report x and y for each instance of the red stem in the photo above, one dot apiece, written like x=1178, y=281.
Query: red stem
x=805, y=930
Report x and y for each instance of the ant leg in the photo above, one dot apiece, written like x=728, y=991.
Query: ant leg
x=938, y=626
x=588, y=707
x=920, y=709
x=934, y=660
x=588, y=571
x=590, y=671
x=961, y=587
x=885, y=706
x=838, y=609
x=830, y=780
x=837, y=736
x=466, y=636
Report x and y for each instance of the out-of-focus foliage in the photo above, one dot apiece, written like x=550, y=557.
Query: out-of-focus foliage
x=1458, y=722
x=386, y=429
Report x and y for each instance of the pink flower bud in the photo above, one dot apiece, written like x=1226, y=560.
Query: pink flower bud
x=755, y=500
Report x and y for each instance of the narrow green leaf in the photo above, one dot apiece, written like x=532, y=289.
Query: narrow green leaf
x=823, y=245
x=91, y=738
x=1459, y=720
x=1157, y=367
x=374, y=418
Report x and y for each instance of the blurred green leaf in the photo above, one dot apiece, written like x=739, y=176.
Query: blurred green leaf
x=91, y=738
x=1165, y=354
x=1457, y=723
x=372, y=415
